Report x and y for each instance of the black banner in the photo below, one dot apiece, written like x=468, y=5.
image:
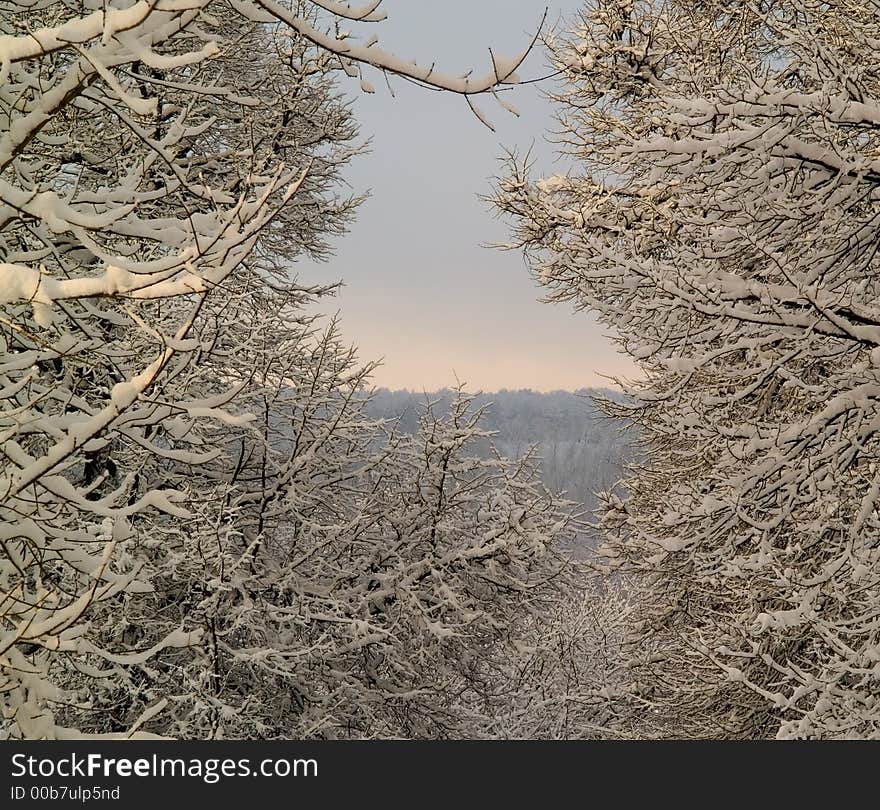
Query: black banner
x=248, y=775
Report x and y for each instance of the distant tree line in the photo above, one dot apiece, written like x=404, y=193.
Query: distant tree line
x=580, y=451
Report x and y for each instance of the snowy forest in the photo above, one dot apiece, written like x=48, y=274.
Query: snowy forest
x=214, y=526
x=579, y=451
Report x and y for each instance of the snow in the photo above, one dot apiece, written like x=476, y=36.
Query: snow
x=76, y=30
x=18, y=283
x=387, y=61
x=505, y=67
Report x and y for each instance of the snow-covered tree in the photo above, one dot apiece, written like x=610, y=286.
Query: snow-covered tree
x=344, y=586
x=143, y=188
x=581, y=450
x=190, y=496
x=572, y=678
x=725, y=222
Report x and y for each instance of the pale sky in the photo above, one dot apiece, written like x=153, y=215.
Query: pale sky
x=421, y=293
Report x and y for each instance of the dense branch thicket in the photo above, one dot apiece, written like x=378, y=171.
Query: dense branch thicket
x=726, y=223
